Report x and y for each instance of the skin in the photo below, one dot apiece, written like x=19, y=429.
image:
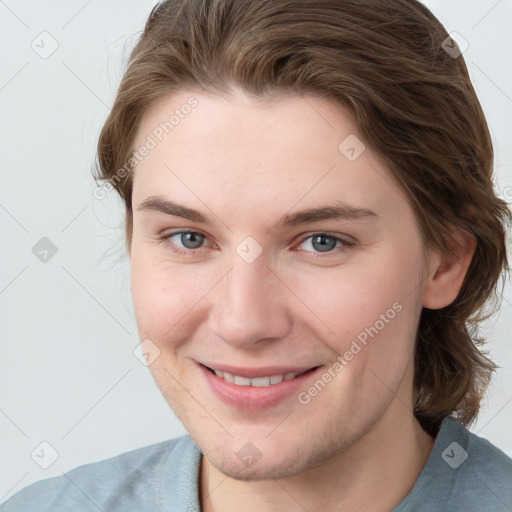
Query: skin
x=244, y=163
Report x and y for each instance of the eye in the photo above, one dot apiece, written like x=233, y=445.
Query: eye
x=189, y=239
x=323, y=243
x=184, y=242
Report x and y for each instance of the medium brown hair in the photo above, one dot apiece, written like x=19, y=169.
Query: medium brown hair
x=414, y=104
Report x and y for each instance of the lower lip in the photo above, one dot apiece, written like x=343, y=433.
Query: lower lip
x=255, y=397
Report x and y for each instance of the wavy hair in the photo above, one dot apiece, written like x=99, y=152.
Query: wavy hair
x=414, y=104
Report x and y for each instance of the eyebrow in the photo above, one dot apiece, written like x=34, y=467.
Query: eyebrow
x=338, y=211
x=159, y=204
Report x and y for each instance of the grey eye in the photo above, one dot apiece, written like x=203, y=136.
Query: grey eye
x=192, y=240
x=323, y=243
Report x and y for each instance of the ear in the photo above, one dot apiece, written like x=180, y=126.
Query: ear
x=447, y=271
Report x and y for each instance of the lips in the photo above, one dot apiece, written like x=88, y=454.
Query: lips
x=253, y=373
x=255, y=388
x=266, y=377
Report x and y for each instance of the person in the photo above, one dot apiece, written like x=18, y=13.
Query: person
x=314, y=238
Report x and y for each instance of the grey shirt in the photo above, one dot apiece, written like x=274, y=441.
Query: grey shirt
x=463, y=473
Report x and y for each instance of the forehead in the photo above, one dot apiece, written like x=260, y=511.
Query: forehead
x=289, y=149
x=235, y=117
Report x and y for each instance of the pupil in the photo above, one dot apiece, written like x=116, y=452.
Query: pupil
x=192, y=240
x=323, y=243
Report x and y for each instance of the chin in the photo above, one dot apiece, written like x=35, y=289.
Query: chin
x=276, y=460
x=270, y=469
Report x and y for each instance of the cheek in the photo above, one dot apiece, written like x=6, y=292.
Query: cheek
x=372, y=310
x=374, y=303
x=167, y=298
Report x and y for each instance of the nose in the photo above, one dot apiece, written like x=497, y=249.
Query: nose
x=250, y=306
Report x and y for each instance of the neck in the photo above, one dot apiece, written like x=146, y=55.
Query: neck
x=375, y=473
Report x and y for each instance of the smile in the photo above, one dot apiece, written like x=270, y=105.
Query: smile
x=256, y=388
x=238, y=380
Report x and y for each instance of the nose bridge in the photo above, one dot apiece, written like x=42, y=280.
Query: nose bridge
x=250, y=304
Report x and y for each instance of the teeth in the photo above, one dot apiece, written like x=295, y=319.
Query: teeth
x=276, y=379
x=241, y=381
x=257, y=381
x=261, y=381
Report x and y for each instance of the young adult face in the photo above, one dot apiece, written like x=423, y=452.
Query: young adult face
x=259, y=289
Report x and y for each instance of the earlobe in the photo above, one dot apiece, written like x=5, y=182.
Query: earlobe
x=447, y=270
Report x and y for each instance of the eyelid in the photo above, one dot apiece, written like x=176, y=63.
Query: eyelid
x=346, y=239
x=165, y=238
x=339, y=238
x=178, y=231
x=345, y=245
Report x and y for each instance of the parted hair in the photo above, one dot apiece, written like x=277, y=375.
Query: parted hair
x=414, y=104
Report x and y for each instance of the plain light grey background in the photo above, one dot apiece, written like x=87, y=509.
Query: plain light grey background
x=69, y=377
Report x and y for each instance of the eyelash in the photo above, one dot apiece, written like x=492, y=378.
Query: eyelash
x=345, y=245
x=178, y=250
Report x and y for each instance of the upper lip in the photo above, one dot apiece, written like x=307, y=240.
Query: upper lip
x=252, y=373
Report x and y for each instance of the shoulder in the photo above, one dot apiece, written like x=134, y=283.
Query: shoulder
x=130, y=481
x=486, y=456
x=487, y=476
x=476, y=464
x=464, y=472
